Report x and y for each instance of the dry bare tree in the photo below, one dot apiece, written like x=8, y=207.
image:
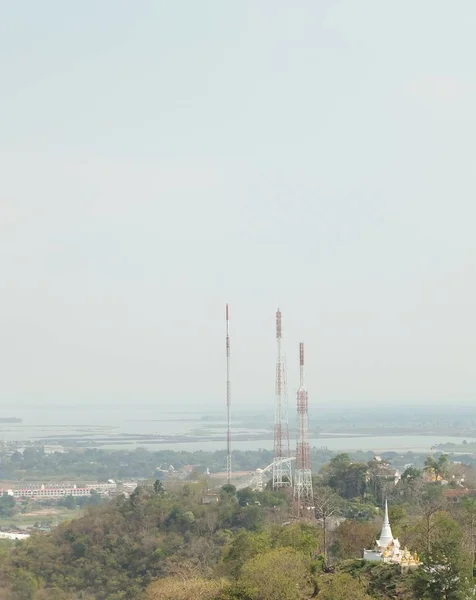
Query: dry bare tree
x=327, y=504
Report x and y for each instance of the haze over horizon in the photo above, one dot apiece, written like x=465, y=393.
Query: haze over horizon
x=162, y=159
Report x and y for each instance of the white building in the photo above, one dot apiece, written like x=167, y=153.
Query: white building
x=387, y=548
x=44, y=492
x=397, y=477
x=53, y=448
x=13, y=535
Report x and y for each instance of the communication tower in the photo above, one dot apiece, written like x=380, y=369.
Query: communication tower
x=228, y=401
x=303, y=474
x=282, y=470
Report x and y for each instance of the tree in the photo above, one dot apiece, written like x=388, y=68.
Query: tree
x=158, y=487
x=31, y=457
x=348, y=479
x=176, y=588
x=467, y=517
x=410, y=486
x=410, y=474
x=68, y=502
x=358, y=512
x=249, y=517
x=56, y=594
x=397, y=516
x=438, y=469
x=430, y=503
x=351, y=538
x=443, y=574
x=379, y=478
x=341, y=586
x=7, y=506
x=24, y=586
x=299, y=536
x=327, y=504
x=245, y=546
x=281, y=573
x=94, y=498
x=26, y=506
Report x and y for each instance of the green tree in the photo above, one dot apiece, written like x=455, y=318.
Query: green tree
x=358, y=511
x=410, y=486
x=24, y=585
x=7, y=506
x=299, y=536
x=228, y=488
x=94, y=498
x=398, y=517
x=56, y=594
x=347, y=478
x=31, y=457
x=410, y=474
x=444, y=571
x=244, y=546
x=158, y=487
x=68, y=502
x=467, y=518
x=281, y=573
x=341, y=586
x=438, y=469
x=176, y=588
x=26, y=506
x=380, y=478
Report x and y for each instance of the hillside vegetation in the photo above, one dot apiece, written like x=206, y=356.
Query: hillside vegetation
x=169, y=544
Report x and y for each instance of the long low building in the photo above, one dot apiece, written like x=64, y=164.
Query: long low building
x=59, y=491
x=13, y=535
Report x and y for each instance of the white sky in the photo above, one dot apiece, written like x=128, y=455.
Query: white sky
x=159, y=159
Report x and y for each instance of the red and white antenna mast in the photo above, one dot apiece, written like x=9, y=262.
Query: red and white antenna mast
x=282, y=471
x=228, y=401
x=303, y=474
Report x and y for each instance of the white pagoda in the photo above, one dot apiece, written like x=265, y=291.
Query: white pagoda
x=387, y=548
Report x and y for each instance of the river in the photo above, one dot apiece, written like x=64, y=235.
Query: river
x=109, y=427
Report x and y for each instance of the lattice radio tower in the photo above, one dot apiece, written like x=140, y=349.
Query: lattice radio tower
x=282, y=470
x=302, y=475
x=228, y=401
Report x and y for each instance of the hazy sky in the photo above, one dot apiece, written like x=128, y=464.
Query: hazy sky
x=159, y=159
